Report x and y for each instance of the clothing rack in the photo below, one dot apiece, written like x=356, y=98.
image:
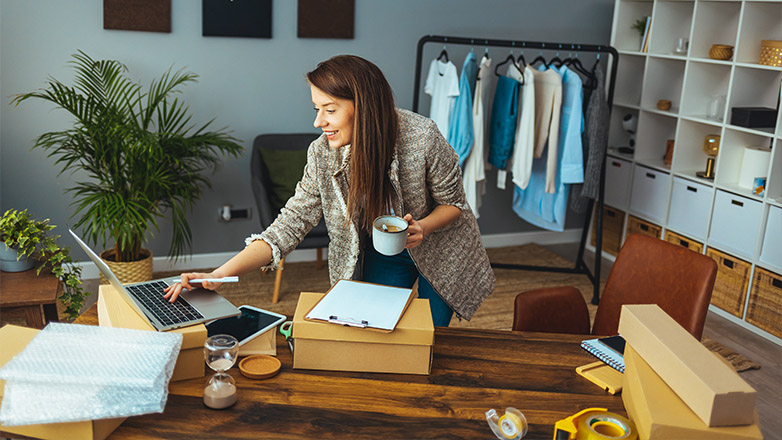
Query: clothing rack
x=580, y=266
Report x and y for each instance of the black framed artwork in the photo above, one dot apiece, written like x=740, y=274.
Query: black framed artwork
x=237, y=18
x=326, y=19
x=137, y=15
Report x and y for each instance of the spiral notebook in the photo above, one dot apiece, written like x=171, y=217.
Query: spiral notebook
x=609, y=350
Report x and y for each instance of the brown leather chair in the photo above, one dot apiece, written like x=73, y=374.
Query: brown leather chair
x=646, y=271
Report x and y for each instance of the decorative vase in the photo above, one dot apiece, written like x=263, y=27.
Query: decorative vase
x=128, y=272
x=9, y=262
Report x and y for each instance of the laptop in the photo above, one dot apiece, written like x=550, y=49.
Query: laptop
x=195, y=307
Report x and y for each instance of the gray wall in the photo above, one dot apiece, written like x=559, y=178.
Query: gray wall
x=251, y=85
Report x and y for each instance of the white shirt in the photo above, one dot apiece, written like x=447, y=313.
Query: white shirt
x=473, y=176
x=524, y=145
x=442, y=84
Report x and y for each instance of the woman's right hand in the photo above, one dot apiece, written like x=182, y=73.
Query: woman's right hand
x=173, y=291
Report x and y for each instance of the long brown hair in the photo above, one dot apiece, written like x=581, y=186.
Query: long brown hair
x=375, y=130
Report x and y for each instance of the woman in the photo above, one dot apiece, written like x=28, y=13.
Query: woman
x=372, y=160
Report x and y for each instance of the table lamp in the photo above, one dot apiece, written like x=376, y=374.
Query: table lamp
x=711, y=146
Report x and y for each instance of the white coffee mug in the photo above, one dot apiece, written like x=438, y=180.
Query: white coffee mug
x=390, y=234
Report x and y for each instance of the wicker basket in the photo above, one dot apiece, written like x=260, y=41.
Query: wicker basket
x=613, y=221
x=765, y=302
x=771, y=53
x=637, y=226
x=680, y=240
x=721, y=52
x=730, y=287
x=131, y=272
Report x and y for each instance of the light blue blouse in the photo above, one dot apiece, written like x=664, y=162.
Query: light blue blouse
x=460, y=132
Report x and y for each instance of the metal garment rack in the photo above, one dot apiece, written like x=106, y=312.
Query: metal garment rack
x=580, y=266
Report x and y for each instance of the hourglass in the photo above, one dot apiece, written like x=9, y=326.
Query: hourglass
x=220, y=353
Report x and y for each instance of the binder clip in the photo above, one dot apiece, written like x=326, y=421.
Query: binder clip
x=510, y=426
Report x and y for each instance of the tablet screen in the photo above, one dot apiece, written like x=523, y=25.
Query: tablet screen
x=250, y=322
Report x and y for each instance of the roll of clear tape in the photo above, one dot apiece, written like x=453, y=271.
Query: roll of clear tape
x=603, y=425
x=510, y=426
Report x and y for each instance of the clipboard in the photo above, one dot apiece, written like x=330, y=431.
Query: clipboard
x=362, y=305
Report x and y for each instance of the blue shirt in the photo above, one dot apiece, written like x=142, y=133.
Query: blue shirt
x=504, y=113
x=460, y=131
x=533, y=204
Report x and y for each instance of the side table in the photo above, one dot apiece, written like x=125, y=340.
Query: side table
x=27, y=291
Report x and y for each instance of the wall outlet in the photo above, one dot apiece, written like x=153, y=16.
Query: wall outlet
x=228, y=213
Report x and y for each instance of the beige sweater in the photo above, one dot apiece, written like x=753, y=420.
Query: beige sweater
x=548, y=103
x=424, y=173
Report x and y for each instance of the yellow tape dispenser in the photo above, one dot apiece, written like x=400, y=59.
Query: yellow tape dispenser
x=595, y=424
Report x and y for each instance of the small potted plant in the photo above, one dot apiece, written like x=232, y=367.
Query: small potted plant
x=31, y=239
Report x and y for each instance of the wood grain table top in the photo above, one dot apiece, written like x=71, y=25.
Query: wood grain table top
x=26, y=288
x=472, y=371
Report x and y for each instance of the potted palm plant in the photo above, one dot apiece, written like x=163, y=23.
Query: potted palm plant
x=31, y=240
x=144, y=157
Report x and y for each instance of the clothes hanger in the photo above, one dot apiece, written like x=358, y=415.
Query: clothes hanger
x=443, y=54
x=521, y=62
x=512, y=60
x=539, y=58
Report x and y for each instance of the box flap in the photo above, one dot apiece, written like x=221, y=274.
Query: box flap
x=414, y=328
x=709, y=387
x=113, y=311
x=660, y=414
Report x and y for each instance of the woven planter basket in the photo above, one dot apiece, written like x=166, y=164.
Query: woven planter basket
x=730, y=286
x=131, y=272
x=680, y=240
x=721, y=52
x=637, y=226
x=765, y=302
x=613, y=220
x=771, y=53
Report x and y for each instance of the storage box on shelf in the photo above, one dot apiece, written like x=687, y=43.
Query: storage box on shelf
x=765, y=302
x=730, y=286
x=690, y=207
x=636, y=225
x=680, y=240
x=613, y=225
x=723, y=212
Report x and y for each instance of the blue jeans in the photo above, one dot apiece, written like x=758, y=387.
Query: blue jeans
x=400, y=271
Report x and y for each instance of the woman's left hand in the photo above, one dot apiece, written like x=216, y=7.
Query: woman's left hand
x=415, y=232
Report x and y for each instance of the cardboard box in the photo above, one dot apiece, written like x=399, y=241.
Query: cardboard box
x=15, y=339
x=658, y=413
x=713, y=391
x=113, y=311
x=323, y=346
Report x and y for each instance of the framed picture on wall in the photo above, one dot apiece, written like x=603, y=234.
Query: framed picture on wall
x=326, y=19
x=237, y=18
x=137, y=15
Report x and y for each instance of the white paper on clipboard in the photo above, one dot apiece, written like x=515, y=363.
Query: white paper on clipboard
x=360, y=304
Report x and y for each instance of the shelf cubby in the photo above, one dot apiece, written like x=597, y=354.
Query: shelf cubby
x=688, y=155
x=628, y=86
x=671, y=21
x=761, y=21
x=626, y=38
x=653, y=132
x=715, y=23
x=664, y=79
x=774, y=182
x=704, y=81
x=617, y=135
x=755, y=88
x=731, y=155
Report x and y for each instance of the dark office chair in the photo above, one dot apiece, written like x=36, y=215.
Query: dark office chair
x=274, y=182
x=646, y=271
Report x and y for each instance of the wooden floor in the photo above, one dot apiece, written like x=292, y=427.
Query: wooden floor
x=767, y=381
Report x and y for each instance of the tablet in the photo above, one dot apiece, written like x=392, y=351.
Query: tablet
x=251, y=323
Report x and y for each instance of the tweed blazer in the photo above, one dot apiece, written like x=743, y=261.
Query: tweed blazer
x=424, y=173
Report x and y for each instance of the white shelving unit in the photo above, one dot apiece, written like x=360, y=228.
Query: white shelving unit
x=672, y=196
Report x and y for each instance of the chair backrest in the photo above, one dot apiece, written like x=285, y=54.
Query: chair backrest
x=652, y=271
x=265, y=179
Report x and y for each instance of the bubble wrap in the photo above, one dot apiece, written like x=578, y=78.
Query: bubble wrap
x=72, y=372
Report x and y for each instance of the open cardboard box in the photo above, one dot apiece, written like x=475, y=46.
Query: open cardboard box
x=709, y=387
x=323, y=346
x=113, y=311
x=658, y=413
x=15, y=339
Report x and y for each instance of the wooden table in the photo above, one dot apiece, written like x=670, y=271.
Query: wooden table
x=27, y=292
x=472, y=371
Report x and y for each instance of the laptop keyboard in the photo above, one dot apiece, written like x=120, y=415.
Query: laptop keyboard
x=151, y=295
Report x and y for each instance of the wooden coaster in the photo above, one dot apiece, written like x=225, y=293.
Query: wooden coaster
x=259, y=366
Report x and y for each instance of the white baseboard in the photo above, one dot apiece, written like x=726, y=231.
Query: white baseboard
x=206, y=261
